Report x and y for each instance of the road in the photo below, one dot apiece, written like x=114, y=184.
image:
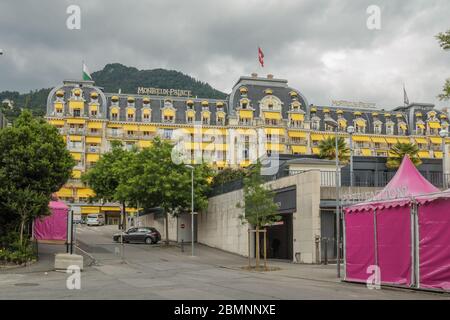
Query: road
x=159, y=272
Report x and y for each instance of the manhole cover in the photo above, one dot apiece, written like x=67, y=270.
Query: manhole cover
x=25, y=284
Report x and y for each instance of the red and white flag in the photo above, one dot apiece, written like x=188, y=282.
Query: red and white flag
x=261, y=57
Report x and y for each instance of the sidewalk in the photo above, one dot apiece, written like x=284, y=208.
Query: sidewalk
x=45, y=263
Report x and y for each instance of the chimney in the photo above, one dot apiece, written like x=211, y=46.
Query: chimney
x=270, y=76
x=254, y=75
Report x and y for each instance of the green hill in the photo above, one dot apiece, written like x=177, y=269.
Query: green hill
x=113, y=77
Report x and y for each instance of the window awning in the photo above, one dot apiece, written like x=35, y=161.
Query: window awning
x=438, y=154
x=421, y=126
x=56, y=122
x=315, y=150
x=360, y=123
x=64, y=192
x=275, y=147
x=85, y=192
x=274, y=131
x=434, y=125
x=93, y=107
x=75, y=138
x=92, y=157
x=391, y=140
x=168, y=113
x=246, y=113
x=76, y=121
x=247, y=132
x=144, y=143
x=404, y=140
x=366, y=152
x=403, y=126
x=436, y=140
x=424, y=154
x=272, y=115
x=378, y=140
x=317, y=137
x=90, y=209
x=147, y=128
x=190, y=113
x=76, y=174
x=421, y=140
x=130, y=127
x=76, y=156
x=93, y=140
x=114, y=125
x=146, y=111
x=105, y=208
x=298, y=149
x=297, y=117
x=361, y=138
x=95, y=125
x=297, y=134
x=342, y=123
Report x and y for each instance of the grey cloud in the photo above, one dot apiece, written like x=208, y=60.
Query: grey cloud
x=322, y=47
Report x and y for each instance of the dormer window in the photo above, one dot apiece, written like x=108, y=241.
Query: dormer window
x=390, y=128
x=377, y=128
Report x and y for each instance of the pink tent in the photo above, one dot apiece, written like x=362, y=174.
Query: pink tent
x=54, y=226
x=379, y=231
x=434, y=241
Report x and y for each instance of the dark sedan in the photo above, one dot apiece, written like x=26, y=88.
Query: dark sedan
x=148, y=235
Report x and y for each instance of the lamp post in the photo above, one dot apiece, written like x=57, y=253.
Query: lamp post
x=333, y=123
x=350, y=131
x=192, y=208
x=443, y=134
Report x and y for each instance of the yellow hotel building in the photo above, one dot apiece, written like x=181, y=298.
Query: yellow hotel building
x=89, y=119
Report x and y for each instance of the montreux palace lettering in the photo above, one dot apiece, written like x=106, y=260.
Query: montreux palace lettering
x=164, y=92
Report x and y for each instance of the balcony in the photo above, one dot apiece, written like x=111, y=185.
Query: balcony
x=92, y=149
x=79, y=148
x=76, y=131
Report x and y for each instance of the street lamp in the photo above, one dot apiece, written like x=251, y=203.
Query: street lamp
x=333, y=123
x=350, y=131
x=443, y=134
x=192, y=207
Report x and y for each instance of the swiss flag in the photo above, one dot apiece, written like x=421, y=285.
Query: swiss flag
x=261, y=57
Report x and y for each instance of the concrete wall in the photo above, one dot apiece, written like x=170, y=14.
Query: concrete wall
x=220, y=226
x=159, y=223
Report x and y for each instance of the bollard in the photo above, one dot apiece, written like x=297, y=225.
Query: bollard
x=182, y=245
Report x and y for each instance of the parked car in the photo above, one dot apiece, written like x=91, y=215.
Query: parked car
x=148, y=235
x=95, y=219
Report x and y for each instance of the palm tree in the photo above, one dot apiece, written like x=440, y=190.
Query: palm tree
x=399, y=150
x=327, y=149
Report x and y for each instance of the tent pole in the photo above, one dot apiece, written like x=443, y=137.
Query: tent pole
x=416, y=245
x=375, y=236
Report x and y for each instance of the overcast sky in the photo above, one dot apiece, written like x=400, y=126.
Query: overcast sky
x=322, y=47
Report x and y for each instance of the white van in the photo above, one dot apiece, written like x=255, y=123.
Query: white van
x=95, y=219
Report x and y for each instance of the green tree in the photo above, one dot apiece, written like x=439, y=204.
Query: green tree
x=34, y=163
x=158, y=181
x=259, y=207
x=444, y=42
x=327, y=149
x=399, y=151
x=228, y=175
x=110, y=176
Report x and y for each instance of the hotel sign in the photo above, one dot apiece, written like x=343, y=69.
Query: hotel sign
x=352, y=104
x=164, y=92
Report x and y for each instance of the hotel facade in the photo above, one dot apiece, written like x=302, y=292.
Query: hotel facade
x=261, y=116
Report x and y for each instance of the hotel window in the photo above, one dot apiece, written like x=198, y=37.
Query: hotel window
x=93, y=113
x=315, y=125
x=146, y=116
x=93, y=131
x=167, y=134
x=220, y=121
x=114, y=115
x=402, y=129
x=130, y=133
x=377, y=128
x=205, y=120
x=146, y=133
x=269, y=137
x=244, y=121
x=190, y=119
x=130, y=116
x=168, y=118
x=328, y=127
x=390, y=129
x=76, y=112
